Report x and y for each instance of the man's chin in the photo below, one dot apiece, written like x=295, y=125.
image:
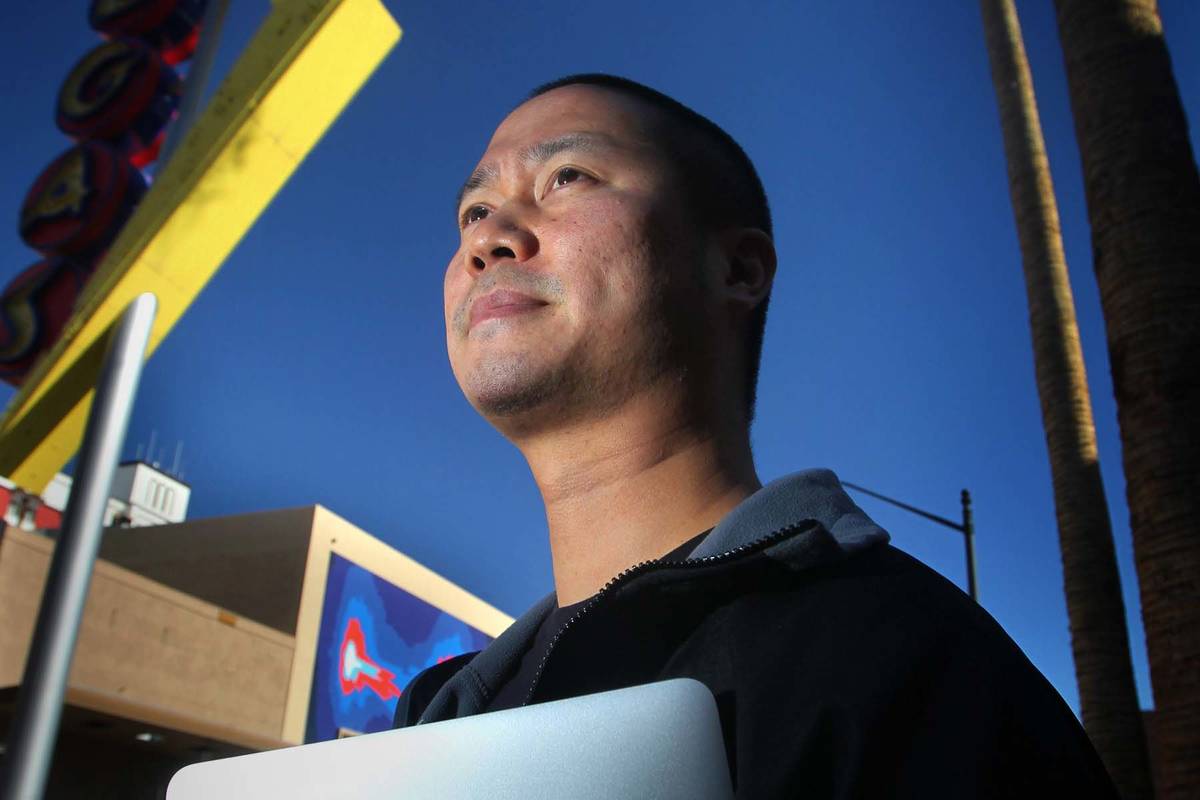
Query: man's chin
x=508, y=406
x=506, y=391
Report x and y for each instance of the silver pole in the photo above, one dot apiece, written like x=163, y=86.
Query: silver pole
x=197, y=77
x=31, y=737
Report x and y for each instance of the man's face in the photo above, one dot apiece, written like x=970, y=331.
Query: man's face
x=577, y=264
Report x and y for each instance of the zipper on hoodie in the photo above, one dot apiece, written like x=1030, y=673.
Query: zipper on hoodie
x=645, y=566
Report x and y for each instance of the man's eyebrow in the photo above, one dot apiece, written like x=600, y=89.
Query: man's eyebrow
x=483, y=176
x=544, y=151
x=533, y=155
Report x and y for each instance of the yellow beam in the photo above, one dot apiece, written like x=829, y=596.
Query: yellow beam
x=295, y=77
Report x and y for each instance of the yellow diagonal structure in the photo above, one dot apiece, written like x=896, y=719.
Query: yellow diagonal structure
x=295, y=77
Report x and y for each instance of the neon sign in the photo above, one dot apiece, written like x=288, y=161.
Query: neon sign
x=116, y=102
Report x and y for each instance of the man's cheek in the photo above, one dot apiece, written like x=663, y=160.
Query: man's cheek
x=454, y=294
x=455, y=276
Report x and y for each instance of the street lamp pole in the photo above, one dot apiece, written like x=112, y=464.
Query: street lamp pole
x=968, y=531
x=966, y=527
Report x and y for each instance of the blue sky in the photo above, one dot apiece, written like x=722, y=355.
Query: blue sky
x=312, y=369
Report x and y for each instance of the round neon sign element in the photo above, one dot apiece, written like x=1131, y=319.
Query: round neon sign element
x=79, y=203
x=34, y=307
x=123, y=93
x=171, y=27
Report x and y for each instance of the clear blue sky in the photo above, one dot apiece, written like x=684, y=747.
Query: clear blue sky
x=312, y=369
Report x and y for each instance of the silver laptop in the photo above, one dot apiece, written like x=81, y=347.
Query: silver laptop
x=660, y=741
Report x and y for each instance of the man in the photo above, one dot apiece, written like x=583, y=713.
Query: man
x=604, y=311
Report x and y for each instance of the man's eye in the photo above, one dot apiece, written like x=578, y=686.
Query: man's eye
x=566, y=175
x=473, y=214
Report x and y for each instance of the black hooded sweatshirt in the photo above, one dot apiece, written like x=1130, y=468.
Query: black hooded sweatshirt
x=841, y=667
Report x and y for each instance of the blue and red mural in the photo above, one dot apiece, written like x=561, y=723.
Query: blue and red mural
x=373, y=638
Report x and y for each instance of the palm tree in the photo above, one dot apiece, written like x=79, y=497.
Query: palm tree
x=1143, y=198
x=1099, y=638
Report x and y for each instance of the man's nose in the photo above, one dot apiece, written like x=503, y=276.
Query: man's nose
x=496, y=237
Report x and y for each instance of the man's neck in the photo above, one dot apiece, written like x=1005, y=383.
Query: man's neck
x=632, y=487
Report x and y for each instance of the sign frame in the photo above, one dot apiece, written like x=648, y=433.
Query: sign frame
x=333, y=535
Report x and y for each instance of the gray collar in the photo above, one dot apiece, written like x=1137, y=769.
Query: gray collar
x=814, y=494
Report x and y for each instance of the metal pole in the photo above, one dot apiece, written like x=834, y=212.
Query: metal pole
x=197, y=76
x=913, y=509
x=968, y=529
x=34, y=727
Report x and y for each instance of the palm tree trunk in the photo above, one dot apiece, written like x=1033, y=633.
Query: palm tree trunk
x=1099, y=637
x=1143, y=197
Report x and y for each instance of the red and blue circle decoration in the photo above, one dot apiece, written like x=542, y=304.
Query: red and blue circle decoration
x=169, y=26
x=79, y=203
x=34, y=307
x=123, y=93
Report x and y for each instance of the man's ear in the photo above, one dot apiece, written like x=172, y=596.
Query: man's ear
x=750, y=266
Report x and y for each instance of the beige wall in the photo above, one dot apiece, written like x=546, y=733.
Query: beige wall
x=250, y=564
x=151, y=651
x=209, y=626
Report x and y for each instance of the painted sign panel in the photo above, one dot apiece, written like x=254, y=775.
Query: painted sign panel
x=374, y=637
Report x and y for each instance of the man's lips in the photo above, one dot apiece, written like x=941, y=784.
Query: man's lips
x=502, y=303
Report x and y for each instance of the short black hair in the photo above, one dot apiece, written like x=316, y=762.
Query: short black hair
x=719, y=179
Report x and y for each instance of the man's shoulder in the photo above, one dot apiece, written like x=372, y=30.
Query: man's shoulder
x=863, y=634
x=885, y=582
x=880, y=603
x=876, y=659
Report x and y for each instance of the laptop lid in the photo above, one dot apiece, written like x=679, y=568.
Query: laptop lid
x=661, y=740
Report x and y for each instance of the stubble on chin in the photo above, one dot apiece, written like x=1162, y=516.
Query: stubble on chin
x=508, y=387
x=520, y=393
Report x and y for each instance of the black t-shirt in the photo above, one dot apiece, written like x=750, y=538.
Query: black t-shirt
x=513, y=693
